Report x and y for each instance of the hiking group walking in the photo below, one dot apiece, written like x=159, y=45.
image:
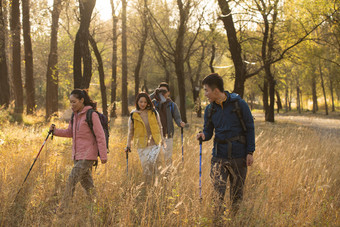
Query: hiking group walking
x=151, y=128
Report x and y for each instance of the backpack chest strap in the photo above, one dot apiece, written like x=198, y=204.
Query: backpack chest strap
x=240, y=138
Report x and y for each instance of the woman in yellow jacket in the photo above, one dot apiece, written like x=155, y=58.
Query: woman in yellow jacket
x=145, y=128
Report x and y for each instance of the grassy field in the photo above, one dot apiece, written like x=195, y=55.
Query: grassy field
x=294, y=181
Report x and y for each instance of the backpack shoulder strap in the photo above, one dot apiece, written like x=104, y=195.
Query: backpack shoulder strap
x=154, y=111
x=72, y=117
x=237, y=110
x=211, y=111
x=131, y=117
x=172, y=108
x=155, y=103
x=89, y=119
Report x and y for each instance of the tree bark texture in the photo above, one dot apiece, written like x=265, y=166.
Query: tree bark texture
x=124, y=97
x=212, y=58
x=301, y=100
x=235, y=47
x=113, y=113
x=101, y=74
x=196, y=82
x=29, y=80
x=52, y=66
x=266, y=53
x=332, y=93
x=278, y=101
x=323, y=87
x=298, y=99
x=265, y=94
x=82, y=52
x=4, y=76
x=144, y=37
x=315, y=97
x=179, y=55
x=145, y=86
x=16, y=55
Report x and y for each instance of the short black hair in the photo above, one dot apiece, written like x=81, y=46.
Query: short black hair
x=214, y=81
x=164, y=84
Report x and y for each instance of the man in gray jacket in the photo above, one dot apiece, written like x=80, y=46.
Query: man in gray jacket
x=167, y=110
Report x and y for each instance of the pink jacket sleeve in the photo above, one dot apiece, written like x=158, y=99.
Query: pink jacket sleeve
x=100, y=136
x=64, y=132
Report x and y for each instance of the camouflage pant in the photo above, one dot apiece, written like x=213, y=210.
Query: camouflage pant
x=81, y=172
x=236, y=170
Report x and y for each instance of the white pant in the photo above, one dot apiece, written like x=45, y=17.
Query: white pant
x=148, y=158
x=167, y=152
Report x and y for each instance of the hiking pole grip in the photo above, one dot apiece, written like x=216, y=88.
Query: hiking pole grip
x=51, y=131
x=127, y=159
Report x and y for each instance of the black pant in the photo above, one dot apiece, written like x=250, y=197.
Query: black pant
x=236, y=170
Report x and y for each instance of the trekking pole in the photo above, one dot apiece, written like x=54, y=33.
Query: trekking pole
x=127, y=160
x=182, y=143
x=49, y=132
x=200, y=172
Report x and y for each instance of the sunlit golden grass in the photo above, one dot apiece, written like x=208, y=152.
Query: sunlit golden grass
x=295, y=180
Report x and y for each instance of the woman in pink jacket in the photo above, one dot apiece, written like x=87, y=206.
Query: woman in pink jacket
x=85, y=147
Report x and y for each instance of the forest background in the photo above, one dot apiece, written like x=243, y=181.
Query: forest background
x=275, y=54
x=280, y=56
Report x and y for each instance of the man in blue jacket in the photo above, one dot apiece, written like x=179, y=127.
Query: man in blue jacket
x=168, y=111
x=234, y=143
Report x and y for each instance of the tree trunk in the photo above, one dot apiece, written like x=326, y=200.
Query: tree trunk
x=29, y=80
x=179, y=56
x=323, y=87
x=172, y=84
x=286, y=96
x=197, y=85
x=166, y=70
x=278, y=101
x=4, y=80
x=212, y=58
x=113, y=113
x=301, y=98
x=16, y=55
x=298, y=99
x=52, y=67
x=167, y=75
x=145, y=86
x=195, y=88
x=235, y=47
x=265, y=95
x=332, y=93
x=290, y=99
x=195, y=93
x=124, y=97
x=315, y=97
x=101, y=74
x=81, y=47
x=252, y=99
x=141, y=48
x=269, y=115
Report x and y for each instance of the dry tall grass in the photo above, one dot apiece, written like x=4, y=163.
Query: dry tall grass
x=295, y=180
